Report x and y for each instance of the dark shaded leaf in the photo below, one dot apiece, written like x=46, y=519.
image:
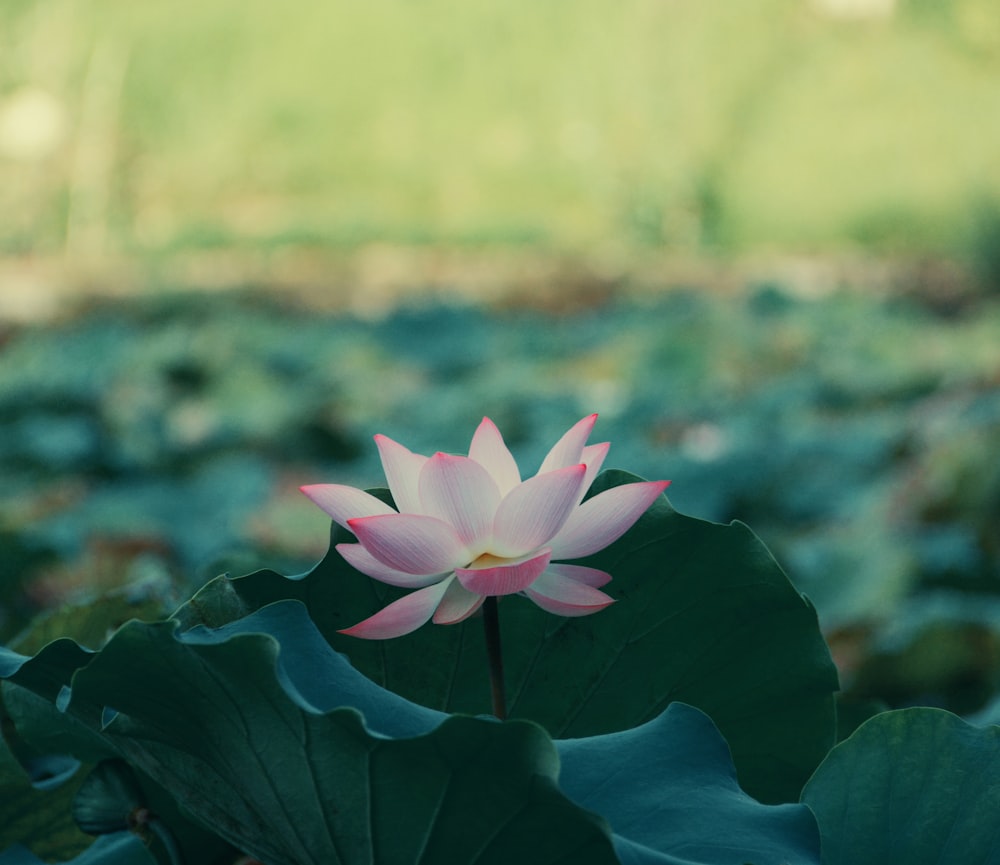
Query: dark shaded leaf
x=36, y=817
x=107, y=799
x=917, y=786
x=208, y=717
x=251, y=737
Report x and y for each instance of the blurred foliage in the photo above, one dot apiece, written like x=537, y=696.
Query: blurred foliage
x=144, y=128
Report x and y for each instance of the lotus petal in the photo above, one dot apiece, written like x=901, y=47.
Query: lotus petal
x=556, y=593
x=412, y=543
x=361, y=560
x=587, y=576
x=604, y=518
x=569, y=449
x=489, y=575
x=489, y=450
x=593, y=457
x=461, y=492
x=535, y=510
x=457, y=605
x=344, y=503
x=402, y=616
x=402, y=473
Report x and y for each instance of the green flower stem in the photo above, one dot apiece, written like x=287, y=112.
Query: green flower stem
x=491, y=626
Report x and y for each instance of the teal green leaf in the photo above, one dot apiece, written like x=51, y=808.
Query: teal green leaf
x=915, y=786
x=49, y=671
x=32, y=688
x=704, y=616
x=669, y=786
x=36, y=819
x=36, y=816
x=209, y=718
x=113, y=796
x=107, y=798
x=51, y=730
x=245, y=725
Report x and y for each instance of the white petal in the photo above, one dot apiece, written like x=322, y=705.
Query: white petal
x=604, y=518
x=489, y=450
x=361, y=560
x=559, y=594
x=402, y=616
x=593, y=457
x=535, y=510
x=569, y=449
x=587, y=576
x=412, y=543
x=344, y=503
x=461, y=492
x=457, y=605
x=402, y=472
x=492, y=576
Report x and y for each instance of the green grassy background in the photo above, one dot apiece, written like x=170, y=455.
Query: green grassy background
x=722, y=125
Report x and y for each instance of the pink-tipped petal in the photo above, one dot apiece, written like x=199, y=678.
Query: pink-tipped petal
x=569, y=449
x=559, y=594
x=402, y=472
x=586, y=576
x=489, y=450
x=604, y=518
x=402, y=616
x=412, y=543
x=344, y=503
x=593, y=458
x=457, y=605
x=491, y=576
x=361, y=560
x=535, y=510
x=461, y=492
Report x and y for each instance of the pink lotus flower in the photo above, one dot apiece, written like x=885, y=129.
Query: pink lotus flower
x=469, y=527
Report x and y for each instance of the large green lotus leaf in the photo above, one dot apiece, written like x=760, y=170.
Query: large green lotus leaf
x=668, y=788
x=36, y=818
x=915, y=786
x=250, y=736
x=32, y=690
x=51, y=731
x=49, y=671
x=39, y=818
x=704, y=615
x=264, y=758
x=669, y=791
x=37, y=815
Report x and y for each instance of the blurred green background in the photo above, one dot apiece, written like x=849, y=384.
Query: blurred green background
x=143, y=129
x=762, y=239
